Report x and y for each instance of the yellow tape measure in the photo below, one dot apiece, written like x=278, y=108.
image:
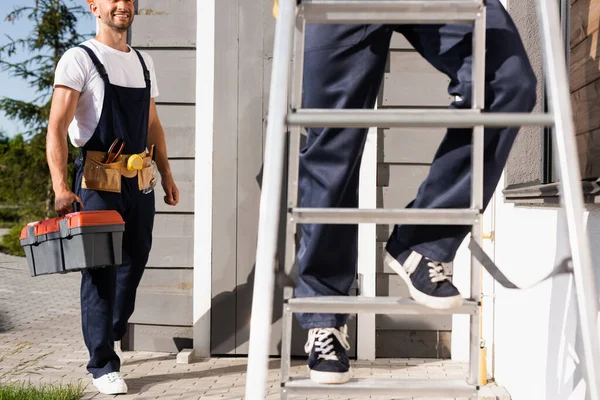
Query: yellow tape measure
x=135, y=162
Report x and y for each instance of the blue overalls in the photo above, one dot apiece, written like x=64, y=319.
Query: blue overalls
x=108, y=294
x=343, y=68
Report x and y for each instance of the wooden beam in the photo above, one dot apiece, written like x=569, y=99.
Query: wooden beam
x=585, y=20
x=585, y=63
x=586, y=108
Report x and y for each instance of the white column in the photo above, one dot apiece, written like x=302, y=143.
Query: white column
x=205, y=72
x=365, y=348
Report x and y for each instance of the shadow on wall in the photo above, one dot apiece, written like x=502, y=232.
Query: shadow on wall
x=565, y=370
x=227, y=341
x=235, y=341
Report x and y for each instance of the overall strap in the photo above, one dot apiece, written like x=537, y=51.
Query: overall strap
x=99, y=66
x=146, y=72
x=107, y=91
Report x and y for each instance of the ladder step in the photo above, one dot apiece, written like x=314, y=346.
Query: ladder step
x=387, y=118
x=399, y=388
x=372, y=305
x=390, y=12
x=349, y=216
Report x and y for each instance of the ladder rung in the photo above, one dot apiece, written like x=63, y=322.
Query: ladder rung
x=358, y=118
x=384, y=216
x=372, y=305
x=390, y=12
x=399, y=388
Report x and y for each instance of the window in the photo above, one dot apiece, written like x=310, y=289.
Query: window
x=530, y=172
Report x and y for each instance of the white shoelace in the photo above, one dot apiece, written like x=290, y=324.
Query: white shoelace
x=114, y=376
x=322, y=338
x=436, y=271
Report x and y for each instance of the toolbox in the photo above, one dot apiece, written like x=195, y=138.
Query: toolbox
x=76, y=241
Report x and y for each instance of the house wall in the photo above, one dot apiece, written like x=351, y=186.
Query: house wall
x=243, y=59
x=525, y=163
x=538, y=352
x=244, y=40
x=162, y=320
x=403, y=162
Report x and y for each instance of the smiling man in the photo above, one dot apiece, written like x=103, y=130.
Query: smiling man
x=104, y=101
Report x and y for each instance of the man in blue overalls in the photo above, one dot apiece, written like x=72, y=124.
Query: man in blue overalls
x=104, y=95
x=344, y=67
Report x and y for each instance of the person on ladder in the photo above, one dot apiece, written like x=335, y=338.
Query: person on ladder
x=104, y=100
x=343, y=68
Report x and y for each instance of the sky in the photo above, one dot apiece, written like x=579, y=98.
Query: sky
x=12, y=87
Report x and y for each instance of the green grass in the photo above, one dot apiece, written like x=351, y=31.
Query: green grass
x=27, y=391
x=15, y=390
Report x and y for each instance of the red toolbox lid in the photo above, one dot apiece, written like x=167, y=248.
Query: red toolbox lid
x=94, y=218
x=48, y=226
x=76, y=220
x=42, y=227
x=24, y=230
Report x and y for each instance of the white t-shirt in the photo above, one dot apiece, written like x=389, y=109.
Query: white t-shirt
x=76, y=70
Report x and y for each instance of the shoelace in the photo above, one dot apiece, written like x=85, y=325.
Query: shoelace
x=436, y=271
x=113, y=376
x=322, y=338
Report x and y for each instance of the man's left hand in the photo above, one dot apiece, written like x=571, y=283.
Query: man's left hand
x=171, y=191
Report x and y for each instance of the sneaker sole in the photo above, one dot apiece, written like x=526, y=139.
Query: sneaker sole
x=123, y=391
x=329, y=378
x=438, y=303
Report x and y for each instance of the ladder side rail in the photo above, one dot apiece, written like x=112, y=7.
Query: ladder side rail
x=292, y=196
x=477, y=177
x=266, y=252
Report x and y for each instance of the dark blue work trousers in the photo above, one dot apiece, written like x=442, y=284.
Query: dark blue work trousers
x=108, y=294
x=344, y=67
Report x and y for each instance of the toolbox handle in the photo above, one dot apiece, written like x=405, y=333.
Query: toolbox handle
x=65, y=231
x=76, y=208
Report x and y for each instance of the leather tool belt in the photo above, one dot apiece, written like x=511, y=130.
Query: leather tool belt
x=107, y=177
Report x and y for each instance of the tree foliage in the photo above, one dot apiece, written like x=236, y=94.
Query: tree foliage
x=24, y=175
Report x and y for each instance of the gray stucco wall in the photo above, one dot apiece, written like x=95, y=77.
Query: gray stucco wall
x=525, y=163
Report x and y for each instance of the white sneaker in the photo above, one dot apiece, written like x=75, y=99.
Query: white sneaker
x=111, y=383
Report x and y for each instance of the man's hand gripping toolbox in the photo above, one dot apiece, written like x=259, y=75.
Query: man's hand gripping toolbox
x=76, y=241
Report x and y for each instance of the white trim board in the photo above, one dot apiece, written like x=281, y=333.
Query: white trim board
x=205, y=73
x=367, y=195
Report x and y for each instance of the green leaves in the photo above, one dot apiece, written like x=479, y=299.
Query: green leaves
x=24, y=176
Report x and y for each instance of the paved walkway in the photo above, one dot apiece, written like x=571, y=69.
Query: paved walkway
x=40, y=341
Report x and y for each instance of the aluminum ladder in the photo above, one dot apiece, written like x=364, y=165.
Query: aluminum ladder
x=285, y=111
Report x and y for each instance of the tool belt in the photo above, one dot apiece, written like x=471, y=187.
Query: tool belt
x=107, y=177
